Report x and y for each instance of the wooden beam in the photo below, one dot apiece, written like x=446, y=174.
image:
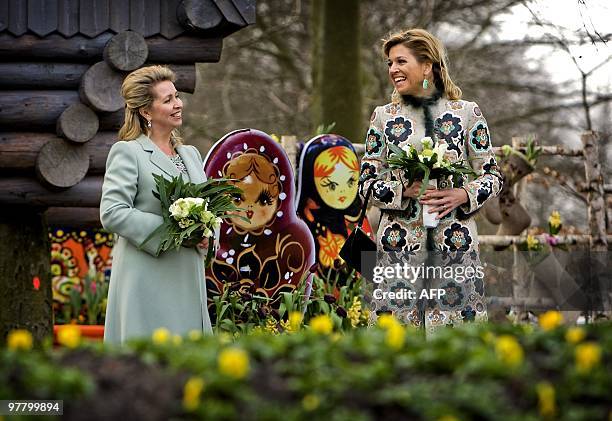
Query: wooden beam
x=18, y=150
x=33, y=75
x=67, y=76
x=39, y=110
x=27, y=191
x=181, y=50
x=73, y=217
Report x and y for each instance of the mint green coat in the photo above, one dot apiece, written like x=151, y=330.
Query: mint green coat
x=148, y=292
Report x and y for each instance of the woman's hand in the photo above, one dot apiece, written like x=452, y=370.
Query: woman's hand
x=413, y=190
x=444, y=201
x=203, y=245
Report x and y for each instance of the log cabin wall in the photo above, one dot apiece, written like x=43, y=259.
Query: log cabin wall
x=62, y=63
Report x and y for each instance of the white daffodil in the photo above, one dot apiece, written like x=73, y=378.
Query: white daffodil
x=180, y=208
x=427, y=142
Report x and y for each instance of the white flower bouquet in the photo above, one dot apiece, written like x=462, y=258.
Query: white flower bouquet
x=192, y=212
x=427, y=165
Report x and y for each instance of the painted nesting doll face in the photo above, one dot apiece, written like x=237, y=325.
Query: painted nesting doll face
x=259, y=180
x=272, y=252
x=336, y=174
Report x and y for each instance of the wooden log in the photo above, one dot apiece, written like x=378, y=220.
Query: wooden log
x=100, y=88
x=27, y=191
x=126, y=51
x=19, y=150
x=199, y=15
x=247, y=9
x=31, y=75
x=39, y=110
x=595, y=196
x=60, y=165
x=185, y=77
x=183, y=49
x=210, y=17
x=73, y=217
x=78, y=123
x=34, y=110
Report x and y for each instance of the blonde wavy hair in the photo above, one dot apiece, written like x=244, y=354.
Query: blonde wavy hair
x=137, y=91
x=425, y=47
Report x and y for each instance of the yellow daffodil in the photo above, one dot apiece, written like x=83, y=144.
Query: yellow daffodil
x=395, y=337
x=233, y=362
x=177, y=340
x=588, y=355
x=69, y=336
x=310, y=402
x=160, y=336
x=295, y=320
x=322, y=324
x=194, y=335
x=532, y=243
x=271, y=325
x=509, y=350
x=191, y=393
x=386, y=321
x=550, y=320
x=546, y=399
x=354, y=312
x=19, y=339
x=575, y=335
x=555, y=219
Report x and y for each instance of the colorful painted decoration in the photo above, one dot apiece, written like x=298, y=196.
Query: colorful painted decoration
x=274, y=251
x=328, y=178
x=72, y=254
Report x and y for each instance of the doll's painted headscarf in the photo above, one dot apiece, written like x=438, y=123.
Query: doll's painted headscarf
x=327, y=199
x=275, y=250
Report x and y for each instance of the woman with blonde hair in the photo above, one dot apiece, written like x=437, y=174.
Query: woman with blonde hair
x=149, y=292
x=427, y=103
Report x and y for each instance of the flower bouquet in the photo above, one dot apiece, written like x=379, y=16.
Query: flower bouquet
x=192, y=212
x=427, y=165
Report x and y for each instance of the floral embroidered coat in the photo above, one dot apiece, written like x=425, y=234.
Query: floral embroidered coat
x=401, y=236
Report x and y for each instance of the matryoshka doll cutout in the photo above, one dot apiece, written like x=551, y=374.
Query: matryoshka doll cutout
x=328, y=202
x=272, y=252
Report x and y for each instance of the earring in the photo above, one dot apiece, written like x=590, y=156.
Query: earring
x=149, y=124
x=425, y=84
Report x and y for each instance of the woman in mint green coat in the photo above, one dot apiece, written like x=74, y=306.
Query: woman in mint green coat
x=148, y=292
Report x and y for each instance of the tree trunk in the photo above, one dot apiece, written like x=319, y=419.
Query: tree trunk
x=316, y=12
x=340, y=87
x=24, y=255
